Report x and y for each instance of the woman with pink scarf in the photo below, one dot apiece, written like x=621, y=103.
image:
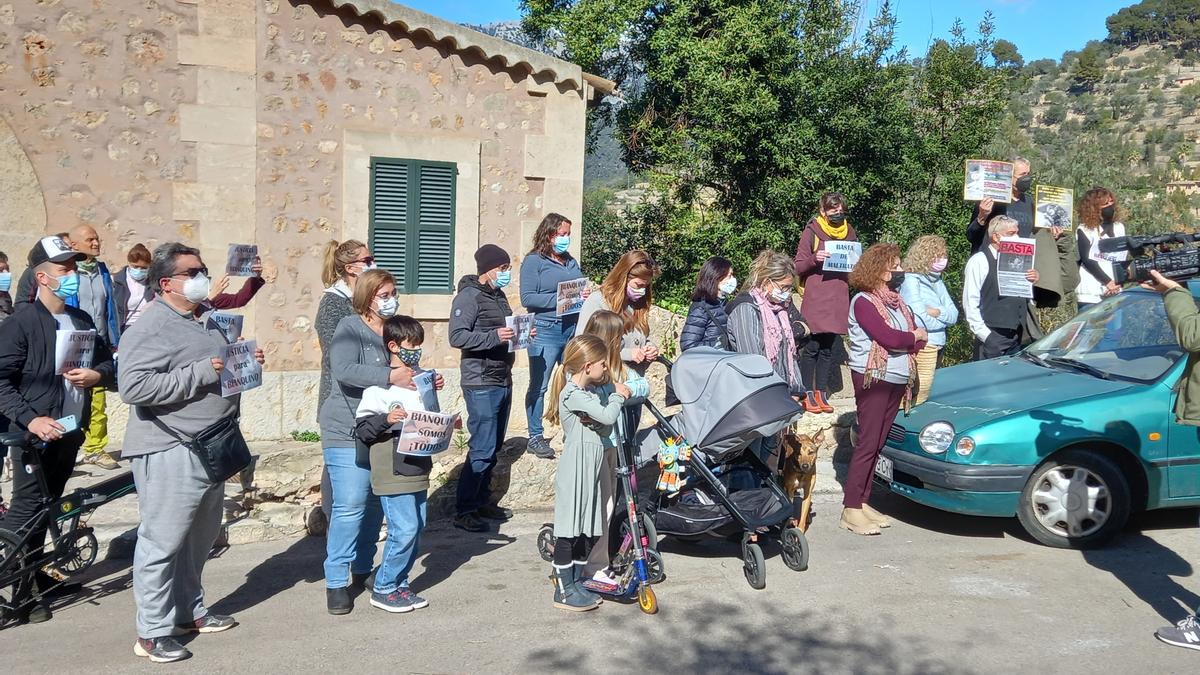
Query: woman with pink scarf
x=884, y=341
x=764, y=320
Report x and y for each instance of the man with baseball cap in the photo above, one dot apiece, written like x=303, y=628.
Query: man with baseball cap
x=45, y=398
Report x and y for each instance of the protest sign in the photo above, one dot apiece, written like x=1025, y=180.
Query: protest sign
x=522, y=325
x=426, y=381
x=986, y=178
x=1015, y=259
x=73, y=349
x=1053, y=206
x=843, y=255
x=241, y=259
x=229, y=324
x=241, y=371
x=425, y=433
x=570, y=296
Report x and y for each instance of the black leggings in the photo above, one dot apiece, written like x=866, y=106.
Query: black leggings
x=816, y=363
x=570, y=550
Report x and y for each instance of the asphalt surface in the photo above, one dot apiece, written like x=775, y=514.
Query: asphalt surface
x=937, y=593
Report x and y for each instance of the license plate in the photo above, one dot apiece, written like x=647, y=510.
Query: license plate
x=883, y=468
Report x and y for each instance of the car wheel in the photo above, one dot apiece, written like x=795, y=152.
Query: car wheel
x=1076, y=499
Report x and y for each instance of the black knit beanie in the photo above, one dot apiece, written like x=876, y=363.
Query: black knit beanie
x=489, y=257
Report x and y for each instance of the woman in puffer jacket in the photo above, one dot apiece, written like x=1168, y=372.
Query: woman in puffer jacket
x=706, y=321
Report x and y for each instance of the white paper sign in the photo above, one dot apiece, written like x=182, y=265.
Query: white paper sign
x=229, y=324
x=241, y=371
x=73, y=349
x=425, y=433
x=522, y=325
x=843, y=255
x=570, y=296
x=985, y=178
x=241, y=258
x=1015, y=259
x=426, y=381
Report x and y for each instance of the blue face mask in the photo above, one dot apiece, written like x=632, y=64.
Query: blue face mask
x=138, y=274
x=5, y=281
x=561, y=243
x=68, y=285
x=503, y=278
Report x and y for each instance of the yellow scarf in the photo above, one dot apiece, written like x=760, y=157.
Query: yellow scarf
x=838, y=232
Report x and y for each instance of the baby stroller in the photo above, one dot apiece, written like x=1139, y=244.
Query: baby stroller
x=729, y=401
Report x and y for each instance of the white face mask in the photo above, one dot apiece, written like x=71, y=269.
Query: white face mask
x=386, y=308
x=196, y=289
x=728, y=286
x=780, y=295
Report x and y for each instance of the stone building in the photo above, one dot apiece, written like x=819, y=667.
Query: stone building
x=285, y=123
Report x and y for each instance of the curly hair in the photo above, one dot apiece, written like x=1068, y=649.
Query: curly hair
x=1089, y=206
x=922, y=253
x=874, y=262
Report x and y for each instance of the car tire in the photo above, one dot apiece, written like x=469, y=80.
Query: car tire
x=1076, y=499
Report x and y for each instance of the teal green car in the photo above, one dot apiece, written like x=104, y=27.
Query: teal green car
x=1071, y=435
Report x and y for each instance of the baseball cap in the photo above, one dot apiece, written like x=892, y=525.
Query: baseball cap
x=52, y=249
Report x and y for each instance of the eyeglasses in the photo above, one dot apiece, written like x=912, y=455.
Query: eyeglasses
x=191, y=272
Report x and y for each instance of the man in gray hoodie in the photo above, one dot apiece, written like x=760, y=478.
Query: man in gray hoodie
x=170, y=376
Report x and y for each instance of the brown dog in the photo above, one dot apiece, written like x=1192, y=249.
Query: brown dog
x=800, y=469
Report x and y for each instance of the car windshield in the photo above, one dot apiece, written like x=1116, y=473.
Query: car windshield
x=1124, y=337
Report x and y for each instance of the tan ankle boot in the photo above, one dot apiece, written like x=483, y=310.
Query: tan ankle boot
x=876, y=517
x=857, y=522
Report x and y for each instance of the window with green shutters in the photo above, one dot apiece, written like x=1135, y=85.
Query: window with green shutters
x=412, y=222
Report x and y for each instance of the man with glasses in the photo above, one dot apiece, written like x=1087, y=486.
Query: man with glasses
x=170, y=375
x=47, y=395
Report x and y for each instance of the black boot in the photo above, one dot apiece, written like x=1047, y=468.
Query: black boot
x=338, y=600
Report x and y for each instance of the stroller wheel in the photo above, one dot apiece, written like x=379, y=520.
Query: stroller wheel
x=656, y=572
x=651, y=531
x=754, y=566
x=795, y=549
x=545, y=542
x=646, y=600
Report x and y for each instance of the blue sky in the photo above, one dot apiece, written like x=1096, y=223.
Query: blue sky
x=1040, y=28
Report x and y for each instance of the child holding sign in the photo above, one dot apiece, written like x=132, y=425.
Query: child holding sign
x=401, y=481
x=587, y=407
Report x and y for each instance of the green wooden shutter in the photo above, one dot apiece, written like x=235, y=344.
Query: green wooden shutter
x=412, y=222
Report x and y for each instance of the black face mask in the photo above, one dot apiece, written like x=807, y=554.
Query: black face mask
x=896, y=281
x=836, y=217
x=1108, y=212
x=1024, y=183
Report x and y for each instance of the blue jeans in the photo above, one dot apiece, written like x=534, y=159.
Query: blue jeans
x=405, y=520
x=355, y=519
x=487, y=422
x=545, y=353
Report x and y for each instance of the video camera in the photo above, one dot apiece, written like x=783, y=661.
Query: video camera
x=1173, y=255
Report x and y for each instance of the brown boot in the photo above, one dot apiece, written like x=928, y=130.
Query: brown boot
x=824, y=405
x=810, y=403
x=876, y=517
x=858, y=523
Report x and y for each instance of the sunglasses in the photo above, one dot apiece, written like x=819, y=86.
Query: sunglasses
x=369, y=260
x=192, y=272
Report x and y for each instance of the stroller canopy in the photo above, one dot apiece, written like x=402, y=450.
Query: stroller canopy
x=729, y=400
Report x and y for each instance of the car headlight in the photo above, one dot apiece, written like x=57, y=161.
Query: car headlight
x=965, y=446
x=936, y=437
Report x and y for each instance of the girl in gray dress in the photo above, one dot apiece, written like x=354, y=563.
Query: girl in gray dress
x=587, y=408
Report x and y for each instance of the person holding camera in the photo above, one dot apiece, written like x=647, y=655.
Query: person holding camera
x=1185, y=321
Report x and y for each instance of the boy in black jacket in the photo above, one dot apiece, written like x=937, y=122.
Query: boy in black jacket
x=477, y=327
x=41, y=402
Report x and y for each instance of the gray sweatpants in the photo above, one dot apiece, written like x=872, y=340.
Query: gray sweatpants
x=180, y=514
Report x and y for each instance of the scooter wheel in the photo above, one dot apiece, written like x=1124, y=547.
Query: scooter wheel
x=545, y=542
x=646, y=600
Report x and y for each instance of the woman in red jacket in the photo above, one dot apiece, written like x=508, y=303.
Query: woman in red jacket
x=826, y=302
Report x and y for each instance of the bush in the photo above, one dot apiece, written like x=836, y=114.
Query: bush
x=1055, y=114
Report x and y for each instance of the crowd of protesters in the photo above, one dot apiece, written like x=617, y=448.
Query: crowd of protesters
x=887, y=319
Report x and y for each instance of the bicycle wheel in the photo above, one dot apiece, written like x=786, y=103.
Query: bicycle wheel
x=15, y=580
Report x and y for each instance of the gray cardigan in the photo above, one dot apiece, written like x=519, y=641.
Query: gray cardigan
x=629, y=341
x=357, y=360
x=166, y=375
x=334, y=306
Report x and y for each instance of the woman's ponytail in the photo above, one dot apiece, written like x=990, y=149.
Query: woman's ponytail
x=336, y=257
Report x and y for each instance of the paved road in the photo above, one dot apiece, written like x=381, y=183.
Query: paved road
x=935, y=594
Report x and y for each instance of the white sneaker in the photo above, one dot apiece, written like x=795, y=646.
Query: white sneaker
x=605, y=576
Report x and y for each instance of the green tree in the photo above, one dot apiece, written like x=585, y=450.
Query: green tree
x=1006, y=55
x=1088, y=70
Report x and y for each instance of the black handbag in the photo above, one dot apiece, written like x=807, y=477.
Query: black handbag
x=221, y=449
